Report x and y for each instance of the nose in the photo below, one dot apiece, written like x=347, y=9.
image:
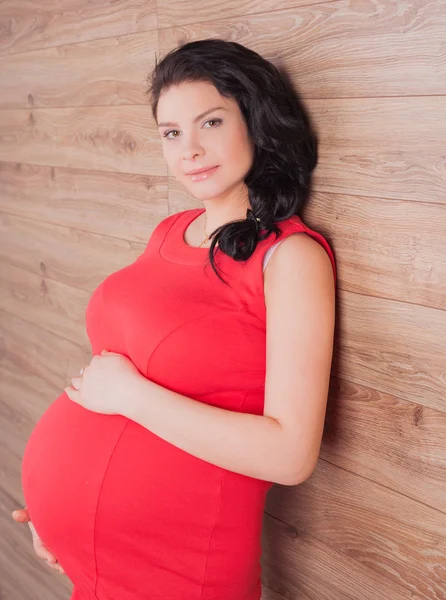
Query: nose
x=191, y=147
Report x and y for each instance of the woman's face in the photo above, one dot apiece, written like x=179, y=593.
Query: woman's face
x=218, y=138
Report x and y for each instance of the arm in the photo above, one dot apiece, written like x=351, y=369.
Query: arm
x=249, y=444
x=281, y=446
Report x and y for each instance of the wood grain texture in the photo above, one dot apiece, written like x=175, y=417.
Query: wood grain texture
x=28, y=25
x=394, y=442
x=113, y=138
x=394, y=249
x=83, y=183
x=297, y=561
x=107, y=71
x=114, y=204
x=391, y=534
x=339, y=49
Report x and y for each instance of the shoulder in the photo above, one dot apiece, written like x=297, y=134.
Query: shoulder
x=300, y=262
x=165, y=224
x=170, y=219
x=160, y=231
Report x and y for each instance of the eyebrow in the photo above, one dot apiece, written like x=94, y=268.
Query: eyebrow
x=197, y=118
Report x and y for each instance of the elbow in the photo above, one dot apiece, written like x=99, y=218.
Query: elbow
x=301, y=474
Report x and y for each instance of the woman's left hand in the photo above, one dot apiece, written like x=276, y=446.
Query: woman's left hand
x=106, y=384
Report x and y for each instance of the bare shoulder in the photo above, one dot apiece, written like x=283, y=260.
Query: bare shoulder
x=299, y=261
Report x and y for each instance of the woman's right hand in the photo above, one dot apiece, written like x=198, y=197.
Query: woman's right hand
x=22, y=516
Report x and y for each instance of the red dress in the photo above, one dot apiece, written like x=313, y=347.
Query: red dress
x=128, y=515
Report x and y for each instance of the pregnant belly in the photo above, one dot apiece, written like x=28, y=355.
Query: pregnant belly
x=63, y=467
x=118, y=506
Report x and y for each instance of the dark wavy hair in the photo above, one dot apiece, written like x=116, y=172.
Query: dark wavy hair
x=285, y=146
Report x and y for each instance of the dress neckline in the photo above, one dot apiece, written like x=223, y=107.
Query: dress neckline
x=175, y=249
x=188, y=222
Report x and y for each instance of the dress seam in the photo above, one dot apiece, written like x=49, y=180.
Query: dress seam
x=166, y=233
x=212, y=535
x=235, y=310
x=97, y=507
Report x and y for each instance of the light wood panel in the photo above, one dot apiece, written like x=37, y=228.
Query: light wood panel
x=394, y=442
x=340, y=49
x=120, y=205
x=25, y=576
x=395, y=347
x=171, y=14
x=298, y=562
x=396, y=537
x=110, y=70
x=112, y=138
x=28, y=25
x=393, y=249
x=83, y=183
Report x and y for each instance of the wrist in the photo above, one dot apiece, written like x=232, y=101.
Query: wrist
x=139, y=393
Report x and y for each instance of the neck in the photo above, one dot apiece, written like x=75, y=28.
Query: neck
x=218, y=212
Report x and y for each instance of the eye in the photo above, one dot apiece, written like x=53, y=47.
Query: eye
x=218, y=121
x=166, y=134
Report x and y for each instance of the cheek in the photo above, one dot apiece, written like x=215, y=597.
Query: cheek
x=238, y=153
x=172, y=158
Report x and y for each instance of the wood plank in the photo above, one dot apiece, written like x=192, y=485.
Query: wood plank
x=396, y=443
x=28, y=25
x=57, y=307
x=401, y=158
x=71, y=256
x=114, y=138
x=49, y=357
x=107, y=71
x=30, y=395
x=341, y=49
x=393, y=249
x=401, y=540
x=185, y=12
x=25, y=576
x=269, y=594
x=293, y=561
x=120, y=205
x=394, y=347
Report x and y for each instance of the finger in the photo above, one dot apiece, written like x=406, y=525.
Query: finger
x=76, y=382
x=33, y=529
x=43, y=552
x=74, y=394
x=21, y=515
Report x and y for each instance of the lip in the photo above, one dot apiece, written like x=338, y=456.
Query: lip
x=198, y=171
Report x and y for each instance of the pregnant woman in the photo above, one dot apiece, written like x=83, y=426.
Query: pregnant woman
x=146, y=478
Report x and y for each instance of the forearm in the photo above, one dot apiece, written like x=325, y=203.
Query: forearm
x=252, y=445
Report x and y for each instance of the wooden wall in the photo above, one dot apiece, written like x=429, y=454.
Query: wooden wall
x=83, y=183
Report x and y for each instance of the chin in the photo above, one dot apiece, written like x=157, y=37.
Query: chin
x=204, y=190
